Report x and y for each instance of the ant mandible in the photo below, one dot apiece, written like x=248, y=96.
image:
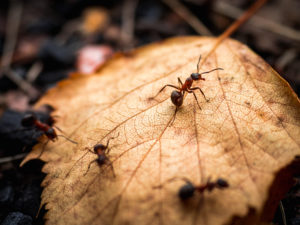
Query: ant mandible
x=187, y=190
x=101, y=151
x=30, y=120
x=177, y=96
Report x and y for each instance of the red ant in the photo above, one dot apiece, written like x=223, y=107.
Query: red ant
x=30, y=120
x=177, y=96
x=187, y=190
x=101, y=151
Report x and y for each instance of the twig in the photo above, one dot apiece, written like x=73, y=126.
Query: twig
x=12, y=158
x=127, y=29
x=282, y=213
x=23, y=84
x=12, y=27
x=234, y=26
x=286, y=58
x=188, y=16
x=226, y=9
x=34, y=71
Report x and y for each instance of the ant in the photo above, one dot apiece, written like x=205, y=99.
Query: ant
x=187, y=190
x=101, y=151
x=177, y=96
x=30, y=120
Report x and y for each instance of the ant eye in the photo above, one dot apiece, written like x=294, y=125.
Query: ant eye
x=195, y=76
x=177, y=98
x=28, y=120
x=186, y=191
x=222, y=183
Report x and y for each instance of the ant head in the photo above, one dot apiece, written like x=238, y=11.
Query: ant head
x=51, y=134
x=28, y=120
x=177, y=98
x=195, y=76
x=99, y=147
x=222, y=183
x=186, y=191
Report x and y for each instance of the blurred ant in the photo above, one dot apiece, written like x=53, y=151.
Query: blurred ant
x=187, y=190
x=177, y=96
x=101, y=151
x=31, y=121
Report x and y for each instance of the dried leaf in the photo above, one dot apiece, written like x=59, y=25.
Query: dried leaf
x=247, y=134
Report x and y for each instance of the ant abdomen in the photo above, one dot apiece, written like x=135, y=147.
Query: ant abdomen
x=28, y=120
x=177, y=98
x=222, y=183
x=186, y=191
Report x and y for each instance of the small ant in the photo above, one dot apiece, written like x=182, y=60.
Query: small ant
x=177, y=96
x=30, y=120
x=187, y=190
x=101, y=151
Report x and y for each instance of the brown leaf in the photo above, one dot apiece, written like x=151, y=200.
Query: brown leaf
x=246, y=134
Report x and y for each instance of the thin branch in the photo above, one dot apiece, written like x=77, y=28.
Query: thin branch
x=12, y=158
x=188, y=16
x=234, y=26
x=257, y=21
x=23, y=84
x=282, y=213
x=128, y=16
x=34, y=71
x=12, y=27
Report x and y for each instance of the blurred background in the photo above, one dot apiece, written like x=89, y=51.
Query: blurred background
x=43, y=42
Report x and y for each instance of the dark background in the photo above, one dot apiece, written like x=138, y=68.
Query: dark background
x=41, y=41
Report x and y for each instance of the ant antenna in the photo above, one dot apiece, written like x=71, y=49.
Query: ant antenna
x=111, y=139
x=198, y=64
x=211, y=70
x=74, y=142
x=206, y=71
x=171, y=180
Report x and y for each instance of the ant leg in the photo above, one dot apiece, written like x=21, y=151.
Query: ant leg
x=91, y=151
x=111, y=139
x=108, y=150
x=198, y=64
x=88, y=149
x=89, y=167
x=172, y=180
x=111, y=166
x=195, y=98
x=179, y=81
x=167, y=85
x=195, y=88
x=74, y=142
x=173, y=119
